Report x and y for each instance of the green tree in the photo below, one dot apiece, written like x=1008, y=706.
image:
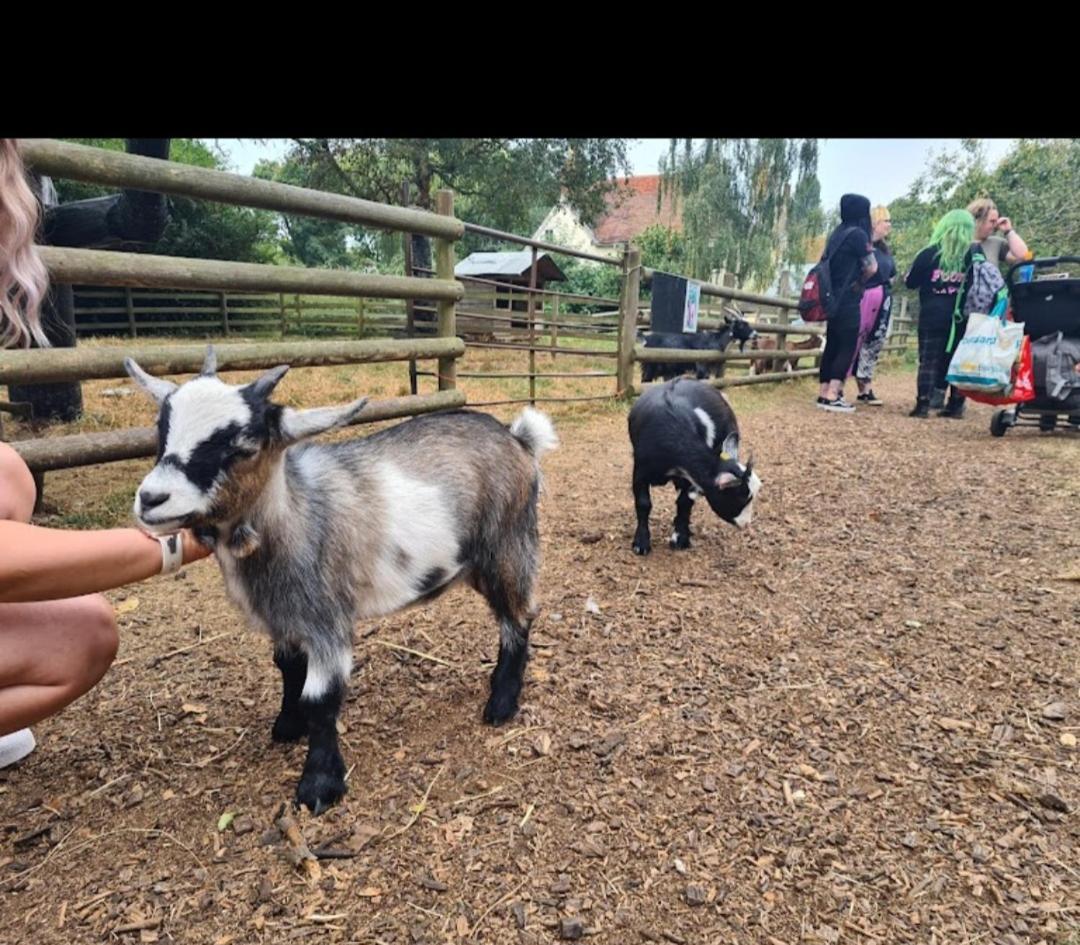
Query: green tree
x=196, y=228
x=589, y=278
x=950, y=180
x=313, y=242
x=503, y=183
x=749, y=204
x=1036, y=185
x=662, y=248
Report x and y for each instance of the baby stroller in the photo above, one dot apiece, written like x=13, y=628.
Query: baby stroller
x=1047, y=304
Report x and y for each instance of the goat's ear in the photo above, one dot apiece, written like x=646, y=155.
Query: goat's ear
x=731, y=446
x=156, y=387
x=751, y=478
x=263, y=386
x=300, y=424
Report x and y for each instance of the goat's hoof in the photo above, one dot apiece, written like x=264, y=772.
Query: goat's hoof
x=319, y=791
x=288, y=728
x=679, y=542
x=642, y=546
x=500, y=708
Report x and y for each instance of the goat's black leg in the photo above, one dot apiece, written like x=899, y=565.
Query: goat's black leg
x=508, y=584
x=290, y=725
x=507, y=678
x=684, y=505
x=323, y=782
x=643, y=506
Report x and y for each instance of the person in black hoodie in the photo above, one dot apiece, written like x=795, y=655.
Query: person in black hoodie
x=851, y=263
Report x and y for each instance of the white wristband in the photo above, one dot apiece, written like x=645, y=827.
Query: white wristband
x=172, y=553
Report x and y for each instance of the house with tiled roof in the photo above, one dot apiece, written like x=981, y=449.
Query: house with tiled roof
x=631, y=209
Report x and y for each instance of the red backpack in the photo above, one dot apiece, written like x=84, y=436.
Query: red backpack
x=818, y=300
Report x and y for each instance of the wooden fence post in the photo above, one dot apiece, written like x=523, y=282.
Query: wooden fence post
x=554, y=326
x=444, y=269
x=531, y=308
x=129, y=303
x=628, y=309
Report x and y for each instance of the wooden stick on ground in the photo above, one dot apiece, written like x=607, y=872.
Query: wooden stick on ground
x=299, y=853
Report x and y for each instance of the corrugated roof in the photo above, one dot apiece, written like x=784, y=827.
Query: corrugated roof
x=509, y=264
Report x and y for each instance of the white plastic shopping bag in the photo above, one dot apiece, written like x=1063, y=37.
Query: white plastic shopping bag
x=984, y=359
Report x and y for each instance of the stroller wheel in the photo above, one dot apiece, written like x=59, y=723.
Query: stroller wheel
x=1000, y=422
x=1047, y=422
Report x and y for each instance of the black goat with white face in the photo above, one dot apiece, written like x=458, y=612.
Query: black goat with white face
x=685, y=432
x=312, y=537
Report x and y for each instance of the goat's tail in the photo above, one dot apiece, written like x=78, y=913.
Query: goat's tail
x=535, y=431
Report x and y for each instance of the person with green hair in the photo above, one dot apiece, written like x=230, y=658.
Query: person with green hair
x=938, y=273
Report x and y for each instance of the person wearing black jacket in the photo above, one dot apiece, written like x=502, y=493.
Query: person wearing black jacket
x=938, y=273
x=851, y=263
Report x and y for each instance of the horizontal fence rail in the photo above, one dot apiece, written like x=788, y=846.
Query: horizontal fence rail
x=99, y=166
x=66, y=364
x=538, y=244
x=681, y=355
x=88, y=449
x=735, y=295
x=173, y=272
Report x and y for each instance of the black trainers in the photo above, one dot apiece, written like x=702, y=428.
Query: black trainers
x=870, y=399
x=836, y=406
x=954, y=410
x=921, y=409
x=937, y=398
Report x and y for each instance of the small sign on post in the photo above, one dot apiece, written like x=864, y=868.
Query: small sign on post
x=690, y=309
x=676, y=303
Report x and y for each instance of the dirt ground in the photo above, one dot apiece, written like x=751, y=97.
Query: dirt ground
x=854, y=723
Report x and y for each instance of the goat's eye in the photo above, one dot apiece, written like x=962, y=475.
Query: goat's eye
x=242, y=452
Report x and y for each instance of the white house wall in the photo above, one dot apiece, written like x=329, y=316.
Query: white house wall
x=568, y=230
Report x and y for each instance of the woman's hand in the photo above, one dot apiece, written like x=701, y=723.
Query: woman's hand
x=193, y=548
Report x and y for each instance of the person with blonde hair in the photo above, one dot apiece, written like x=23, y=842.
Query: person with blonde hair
x=57, y=633
x=875, y=307
x=23, y=279
x=1000, y=242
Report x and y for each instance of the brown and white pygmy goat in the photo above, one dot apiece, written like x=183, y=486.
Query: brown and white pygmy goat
x=312, y=537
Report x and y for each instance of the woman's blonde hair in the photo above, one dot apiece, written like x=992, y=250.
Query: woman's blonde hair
x=23, y=278
x=981, y=207
x=879, y=213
